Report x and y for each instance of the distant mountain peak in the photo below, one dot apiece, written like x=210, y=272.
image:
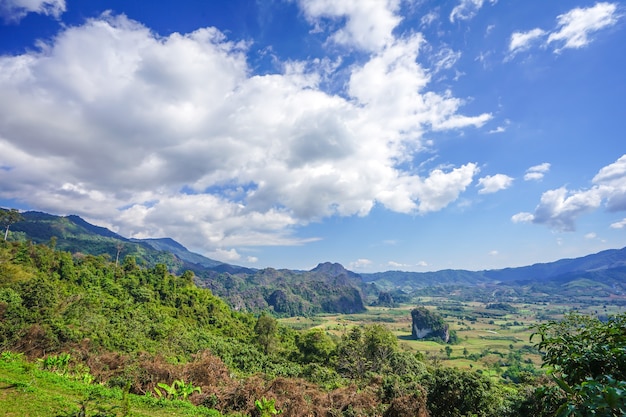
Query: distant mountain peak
x=332, y=270
x=102, y=231
x=328, y=266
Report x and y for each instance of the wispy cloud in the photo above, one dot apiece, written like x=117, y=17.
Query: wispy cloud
x=429, y=18
x=360, y=264
x=14, y=10
x=467, y=9
x=573, y=29
x=521, y=41
x=394, y=264
x=500, y=129
x=537, y=172
x=619, y=225
x=399, y=265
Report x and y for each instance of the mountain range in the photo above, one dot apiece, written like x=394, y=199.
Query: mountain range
x=329, y=287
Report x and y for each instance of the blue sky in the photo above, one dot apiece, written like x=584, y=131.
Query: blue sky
x=384, y=134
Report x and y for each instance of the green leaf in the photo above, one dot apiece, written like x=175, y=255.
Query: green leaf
x=563, y=385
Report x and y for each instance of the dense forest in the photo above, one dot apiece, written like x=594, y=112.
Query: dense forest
x=143, y=328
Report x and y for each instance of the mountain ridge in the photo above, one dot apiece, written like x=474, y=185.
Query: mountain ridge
x=329, y=287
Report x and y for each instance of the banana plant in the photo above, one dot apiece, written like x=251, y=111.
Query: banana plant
x=178, y=390
x=184, y=390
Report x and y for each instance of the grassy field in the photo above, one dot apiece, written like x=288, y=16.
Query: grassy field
x=485, y=336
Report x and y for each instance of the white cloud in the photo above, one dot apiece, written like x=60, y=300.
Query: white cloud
x=441, y=188
x=611, y=180
x=520, y=41
x=445, y=59
x=559, y=209
x=360, y=264
x=575, y=26
x=369, y=23
x=225, y=255
x=422, y=264
x=252, y=259
x=467, y=9
x=15, y=10
x=494, y=253
x=612, y=174
x=173, y=136
x=619, y=225
x=537, y=172
x=494, y=183
x=573, y=29
x=429, y=18
x=590, y=235
x=499, y=129
x=522, y=217
x=393, y=264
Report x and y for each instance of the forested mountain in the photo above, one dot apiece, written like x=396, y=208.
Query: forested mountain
x=74, y=234
x=329, y=287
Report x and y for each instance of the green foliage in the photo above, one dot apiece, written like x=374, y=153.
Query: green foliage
x=93, y=406
x=315, y=346
x=581, y=347
x=588, y=360
x=266, y=407
x=458, y=393
x=7, y=356
x=501, y=306
x=7, y=218
x=66, y=299
x=29, y=391
x=265, y=331
x=52, y=302
x=179, y=390
x=56, y=363
x=365, y=349
x=593, y=398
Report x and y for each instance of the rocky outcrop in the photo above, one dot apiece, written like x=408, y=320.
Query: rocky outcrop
x=428, y=325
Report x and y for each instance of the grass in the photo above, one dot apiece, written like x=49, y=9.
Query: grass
x=27, y=391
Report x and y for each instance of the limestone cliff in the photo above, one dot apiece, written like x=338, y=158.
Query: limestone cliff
x=427, y=324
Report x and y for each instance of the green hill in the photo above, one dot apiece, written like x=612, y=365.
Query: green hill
x=324, y=289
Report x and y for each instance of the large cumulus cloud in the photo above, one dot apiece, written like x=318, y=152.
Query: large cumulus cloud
x=174, y=135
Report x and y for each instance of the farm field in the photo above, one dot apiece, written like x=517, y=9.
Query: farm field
x=486, y=335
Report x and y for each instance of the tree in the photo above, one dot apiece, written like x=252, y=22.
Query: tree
x=315, y=346
x=380, y=343
x=7, y=218
x=588, y=361
x=367, y=348
x=458, y=393
x=265, y=330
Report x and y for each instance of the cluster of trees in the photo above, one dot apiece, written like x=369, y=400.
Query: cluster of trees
x=105, y=312
x=7, y=218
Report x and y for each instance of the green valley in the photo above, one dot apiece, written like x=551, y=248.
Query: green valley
x=84, y=333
